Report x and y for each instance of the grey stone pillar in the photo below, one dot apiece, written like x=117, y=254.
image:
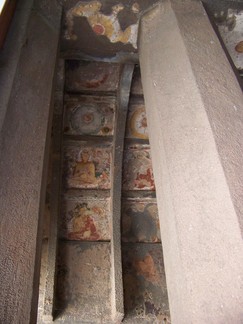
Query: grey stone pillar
x=23, y=143
x=195, y=117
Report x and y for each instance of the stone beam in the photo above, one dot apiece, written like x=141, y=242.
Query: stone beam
x=195, y=117
x=10, y=52
x=117, y=303
x=23, y=144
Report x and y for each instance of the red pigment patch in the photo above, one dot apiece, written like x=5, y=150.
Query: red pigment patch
x=96, y=83
x=99, y=29
x=88, y=226
x=88, y=118
x=147, y=177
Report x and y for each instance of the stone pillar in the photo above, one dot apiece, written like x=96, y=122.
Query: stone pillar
x=195, y=116
x=23, y=144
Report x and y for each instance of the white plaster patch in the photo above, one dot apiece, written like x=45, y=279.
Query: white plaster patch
x=232, y=37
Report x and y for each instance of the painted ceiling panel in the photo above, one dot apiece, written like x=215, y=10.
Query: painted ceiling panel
x=107, y=28
x=102, y=28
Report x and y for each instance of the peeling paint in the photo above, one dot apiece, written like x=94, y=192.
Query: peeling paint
x=140, y=222
x=85, y=219
x=137, y=169
x=145, y=293
x=101, y=24
x=85, y=115
x=91, y=76
x=147, y=269
x=137, y=122
x=87, y=167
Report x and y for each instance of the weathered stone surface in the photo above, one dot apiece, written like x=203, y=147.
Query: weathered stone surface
x=42, y=285
x=23, y=171
x=117, y=306
x=83, y=282
x=84, y=76
x=85, y=219
x=48, y=11
x=85, y=115
x=194, y=106
x=9, y=55
x=137, y=168
x=140, y=222
x=54, y=192
x=87, y=166
x=222, y=97
x=145, y=293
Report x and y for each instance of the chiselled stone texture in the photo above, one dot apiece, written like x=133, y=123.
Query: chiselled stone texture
x=196, y=113
x=83, y=282
x=9, y=55
x=42, y=284
x=23, y=145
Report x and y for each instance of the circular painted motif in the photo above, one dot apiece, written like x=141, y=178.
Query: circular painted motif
x=239, y=47
x=138, y=124
x=86, y=119
x=98, y=29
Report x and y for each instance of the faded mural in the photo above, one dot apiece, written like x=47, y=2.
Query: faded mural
x=83, y=76
x=140, y=222
x=85, y=228
x=137, y=168
x=86, y=219
x=137, y=122
x=101, y=24
x=87, y=167
x=145, y=293
x=89, y=116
